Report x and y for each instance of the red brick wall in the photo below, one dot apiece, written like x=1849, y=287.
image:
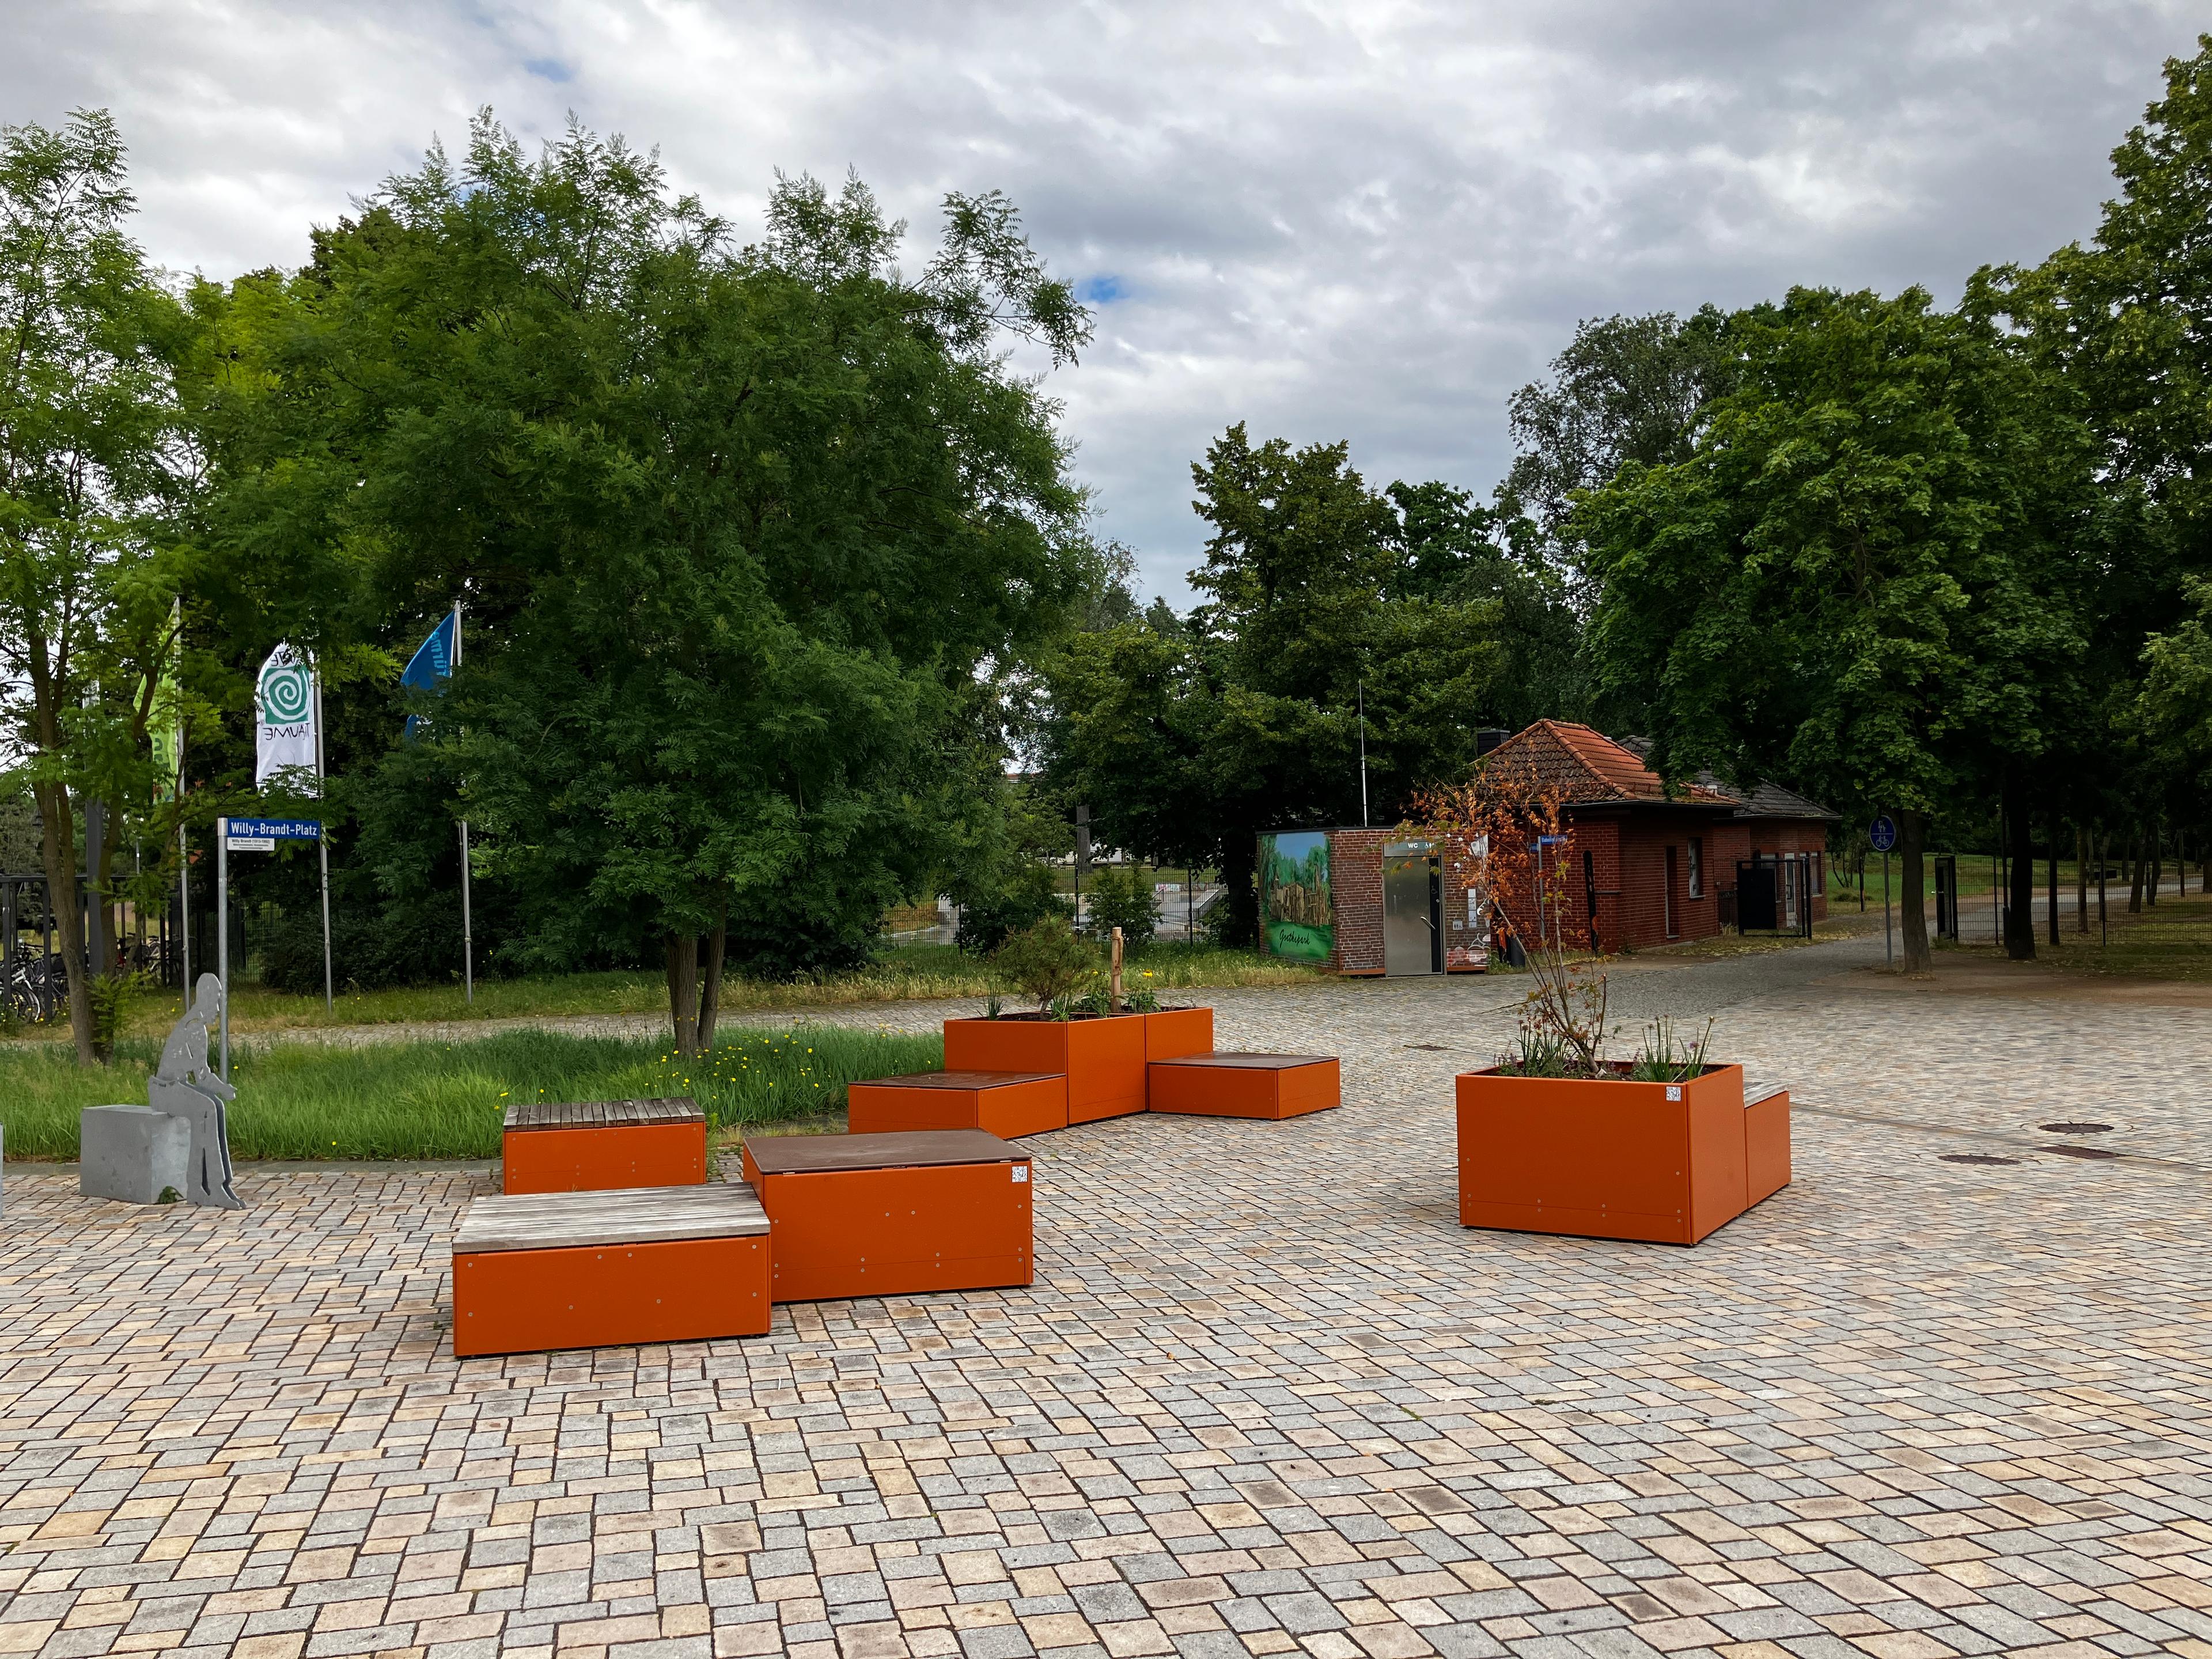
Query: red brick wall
x=1772, y=835
x=1355, y=896
x=1628, y=845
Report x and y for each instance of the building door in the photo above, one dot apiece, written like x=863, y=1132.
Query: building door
x=1411, y=924
x=1673, y=925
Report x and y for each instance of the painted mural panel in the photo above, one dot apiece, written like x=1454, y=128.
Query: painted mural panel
x=1295, y=912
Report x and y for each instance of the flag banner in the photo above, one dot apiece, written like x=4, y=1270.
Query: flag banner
x=432, y=662
x=284, y=706
x=167, y=731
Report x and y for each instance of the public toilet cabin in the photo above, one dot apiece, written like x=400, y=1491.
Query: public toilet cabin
x=1367, y=902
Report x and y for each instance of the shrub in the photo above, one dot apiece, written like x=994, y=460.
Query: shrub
x=1046, y=961
x=1024, y=899
x=1121, y=897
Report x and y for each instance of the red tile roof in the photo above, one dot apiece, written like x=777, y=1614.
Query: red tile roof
x=1589, y=768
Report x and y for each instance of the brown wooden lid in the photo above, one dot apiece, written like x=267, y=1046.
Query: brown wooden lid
x=1240, y=1062
x=957, y=1080
x=600, y=1114
x=904, y=1149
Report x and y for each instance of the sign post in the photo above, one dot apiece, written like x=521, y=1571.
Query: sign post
x=244, y=836
x=1881, y=835
x=222, y=937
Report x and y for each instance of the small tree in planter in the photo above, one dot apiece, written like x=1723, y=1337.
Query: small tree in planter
x=1048, y=962
x=1518, y=823
x=1557, y=1138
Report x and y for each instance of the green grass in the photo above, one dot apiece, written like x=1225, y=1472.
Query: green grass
x=2171, y=940
x=920, y=972
x=444, y=1100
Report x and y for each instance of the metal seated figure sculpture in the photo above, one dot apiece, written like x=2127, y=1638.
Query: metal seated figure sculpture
x=185, y=1085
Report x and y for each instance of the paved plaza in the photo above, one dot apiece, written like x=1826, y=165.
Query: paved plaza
x=1951, y=1392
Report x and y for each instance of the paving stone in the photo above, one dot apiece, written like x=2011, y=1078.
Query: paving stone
x=1265, y=1396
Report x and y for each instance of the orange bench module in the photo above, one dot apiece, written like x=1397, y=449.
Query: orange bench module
x=1102, y=1056
x=537, y=1271
x=1245, y=1086
x=892, y=1214
x=1006, y=1104
x=602, y=1146
x=1766, y=1146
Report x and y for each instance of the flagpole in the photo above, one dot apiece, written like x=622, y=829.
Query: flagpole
x=323, y=842
x=468, y=938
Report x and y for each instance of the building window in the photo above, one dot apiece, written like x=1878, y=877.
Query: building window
x=1696, y=867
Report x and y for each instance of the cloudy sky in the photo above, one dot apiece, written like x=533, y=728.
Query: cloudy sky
x=1367, y=222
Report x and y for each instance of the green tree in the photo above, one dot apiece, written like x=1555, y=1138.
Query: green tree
x=738, y=530
x=95, y=475
x=1330, y=610
x=1860, y=577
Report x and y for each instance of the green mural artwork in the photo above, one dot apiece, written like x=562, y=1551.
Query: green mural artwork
x=1299, y=921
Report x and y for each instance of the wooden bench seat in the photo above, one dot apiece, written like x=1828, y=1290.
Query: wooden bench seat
x=602, y=1146
x=894, y=1214
x=1244, y=1084
x=1006, y=1103
x=538, y=1271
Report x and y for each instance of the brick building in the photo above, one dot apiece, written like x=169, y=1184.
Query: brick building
x=1648, y=867
x=1657, y=868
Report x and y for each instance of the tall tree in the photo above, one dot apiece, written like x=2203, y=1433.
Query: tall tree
x=93, y=469
x=738, y=530
x=1860, y=578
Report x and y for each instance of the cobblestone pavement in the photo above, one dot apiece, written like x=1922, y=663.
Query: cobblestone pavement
x=1265, y=1397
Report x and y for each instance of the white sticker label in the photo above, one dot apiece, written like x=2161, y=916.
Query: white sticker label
x=1674, y=1091
x=1021, y=1172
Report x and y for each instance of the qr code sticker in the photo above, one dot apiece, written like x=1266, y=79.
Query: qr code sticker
x=1021, y=1172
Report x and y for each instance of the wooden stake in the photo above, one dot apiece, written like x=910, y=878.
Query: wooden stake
x=1115, y=983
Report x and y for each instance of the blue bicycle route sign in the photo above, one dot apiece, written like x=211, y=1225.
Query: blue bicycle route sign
x=1881, y=834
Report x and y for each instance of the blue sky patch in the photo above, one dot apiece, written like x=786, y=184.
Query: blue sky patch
x=1100, y=290
x=549, y=68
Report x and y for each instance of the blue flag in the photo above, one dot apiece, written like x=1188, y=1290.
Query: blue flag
x=432, y=662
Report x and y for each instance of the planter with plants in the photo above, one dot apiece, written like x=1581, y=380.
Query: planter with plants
x=1071, y=1032
x=1557, y=1138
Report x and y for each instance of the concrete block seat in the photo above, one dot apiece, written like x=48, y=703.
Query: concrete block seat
x=894, y=1214
x=1006, y=1103
x=602, y=1146
x=538, y=1271
x=1244, y=1084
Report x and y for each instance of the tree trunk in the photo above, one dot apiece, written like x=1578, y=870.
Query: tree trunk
x=2051, y=880
x=1912, y=918
x=2080, y=880
x=2157, y=875
x=684, y=992
x=2020, y=882
x=1239, y=851
x=58, y=846
x=710, y=985
x=2136, y=872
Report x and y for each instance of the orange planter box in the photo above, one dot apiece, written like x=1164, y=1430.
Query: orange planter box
x=1102, y=1057
x=1006, y=1104
x=1603, y=1159
x=602, y=1146
x=1173, y=1033
x=894, y=1214
x=533, y=1272
x=1246, y=1085
x=1766, y=1146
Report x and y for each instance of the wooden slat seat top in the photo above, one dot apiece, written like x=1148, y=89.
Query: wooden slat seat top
x=902, y=1149
x=600, y=1113
x=629, y=1215
x=959, y=1079
x=1244, y=1062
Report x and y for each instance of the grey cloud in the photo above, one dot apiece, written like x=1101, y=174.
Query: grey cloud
x=1367, y=222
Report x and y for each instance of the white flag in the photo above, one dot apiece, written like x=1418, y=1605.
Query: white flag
x=284, y=706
